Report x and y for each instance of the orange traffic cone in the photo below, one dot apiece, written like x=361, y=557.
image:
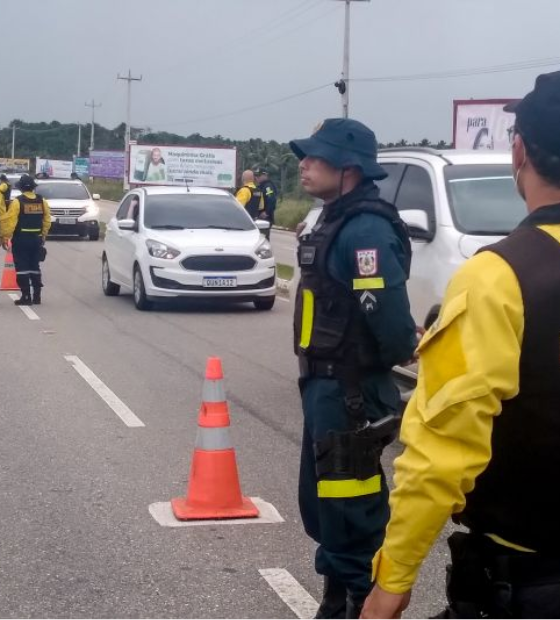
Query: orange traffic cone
x=214, y=491
x=9, y=281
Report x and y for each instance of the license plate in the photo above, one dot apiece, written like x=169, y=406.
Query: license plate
x=67, y=220
x=219, y=282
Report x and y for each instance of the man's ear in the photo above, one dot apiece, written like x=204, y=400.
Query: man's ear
x=519, y=153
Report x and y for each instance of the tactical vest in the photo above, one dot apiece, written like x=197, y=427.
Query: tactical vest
x=31, y=213
x=516, y=496
x=254, y=203
x=330, y=329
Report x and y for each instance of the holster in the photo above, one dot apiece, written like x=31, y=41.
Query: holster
x=354, y=454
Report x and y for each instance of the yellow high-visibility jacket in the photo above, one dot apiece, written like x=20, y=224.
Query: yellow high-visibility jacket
x=469, y=364
x=9, y=219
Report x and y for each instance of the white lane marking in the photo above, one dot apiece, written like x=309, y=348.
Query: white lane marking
x=29, y=313
x=116, y=404
x=163, y=514
x=296, y=597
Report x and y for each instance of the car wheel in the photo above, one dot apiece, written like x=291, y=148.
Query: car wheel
x=140, y=300
x=109, y=288
x=264, y=303
x=94, y=235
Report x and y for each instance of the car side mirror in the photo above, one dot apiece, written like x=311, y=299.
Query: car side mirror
x=262, y=224
x=127, y=225
x=418, y=224
x=96, y=197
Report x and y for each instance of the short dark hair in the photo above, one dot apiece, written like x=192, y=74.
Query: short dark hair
x=547, y=165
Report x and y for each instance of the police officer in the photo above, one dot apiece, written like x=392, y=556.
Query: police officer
x=482, y=432
x=5, y=192
x=270, y=194
x=249, y=195
x=352, y=325
x=27, y=223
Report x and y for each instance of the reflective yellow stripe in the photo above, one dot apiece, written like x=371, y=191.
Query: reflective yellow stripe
x=30, y=230
x=504, y=543
x=363, y=284
x=349, y=488
x=307, y=318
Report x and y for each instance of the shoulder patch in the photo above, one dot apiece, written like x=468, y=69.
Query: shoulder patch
x=367, y=262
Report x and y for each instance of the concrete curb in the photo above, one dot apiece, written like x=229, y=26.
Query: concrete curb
x=283, y=287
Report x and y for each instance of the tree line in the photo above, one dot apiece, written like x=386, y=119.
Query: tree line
x=56, y=140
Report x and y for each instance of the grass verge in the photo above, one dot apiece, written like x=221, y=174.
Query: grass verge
x=284, y=272
x=291, y=212
x=108, y=189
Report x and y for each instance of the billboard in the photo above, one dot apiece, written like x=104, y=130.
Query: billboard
x=81, y=166
x=106, y=164
x=177, y=165
x=7, y=164
x=54, y=167
x=482, y=124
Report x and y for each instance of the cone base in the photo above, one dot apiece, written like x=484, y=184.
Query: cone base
x=183, y=511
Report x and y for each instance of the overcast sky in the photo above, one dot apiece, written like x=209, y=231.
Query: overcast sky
x=204, y=60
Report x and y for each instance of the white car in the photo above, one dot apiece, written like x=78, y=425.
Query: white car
x=454, y=202
x=73, y=208
x=171, y=242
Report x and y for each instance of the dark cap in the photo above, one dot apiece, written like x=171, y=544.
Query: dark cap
x=260, y=171
x=538, y=113
x=26, y=183
x=343, y=143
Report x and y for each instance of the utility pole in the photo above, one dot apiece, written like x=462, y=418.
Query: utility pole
x=92, y=105
x=343, y=84
x=13, y=141
x=129, y=78
x=79, y=151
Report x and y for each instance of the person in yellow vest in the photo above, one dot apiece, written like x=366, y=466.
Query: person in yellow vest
x=5, y=191
x=482, y=431
x=26, y=224
x=249, y=195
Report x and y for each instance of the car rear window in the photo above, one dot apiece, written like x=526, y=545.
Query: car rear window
x=195, y=211
x=483, y=198
x=65, y=191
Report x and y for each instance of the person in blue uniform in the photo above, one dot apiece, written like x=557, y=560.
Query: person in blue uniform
x=352, y=325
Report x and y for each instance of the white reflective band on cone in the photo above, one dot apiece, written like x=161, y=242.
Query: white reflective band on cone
x=213, y=391
x=213, y=439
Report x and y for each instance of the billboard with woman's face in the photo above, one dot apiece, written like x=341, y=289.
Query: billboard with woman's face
x=482, y=125
x=178, y=165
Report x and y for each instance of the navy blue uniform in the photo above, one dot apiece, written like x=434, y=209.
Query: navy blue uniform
x=368, y=260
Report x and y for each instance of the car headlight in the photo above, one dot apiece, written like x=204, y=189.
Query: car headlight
x=161, y=250
x=264, y=250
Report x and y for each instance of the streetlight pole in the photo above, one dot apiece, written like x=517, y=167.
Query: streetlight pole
x=13, y=141
x=79, y=151
x=129, y=79
x=92, y=105
x=343, y=84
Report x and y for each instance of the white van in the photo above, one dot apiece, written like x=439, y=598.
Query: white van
x=454, y=202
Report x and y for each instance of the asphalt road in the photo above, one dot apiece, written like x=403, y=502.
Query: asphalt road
x=283, y=242
x=76, y=482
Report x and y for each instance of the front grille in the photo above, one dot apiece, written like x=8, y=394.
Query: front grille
x=68, y=212
x=219, y=263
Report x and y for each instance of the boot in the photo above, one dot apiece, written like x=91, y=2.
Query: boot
x=333, y=604
x=23, y=283
x=37, y=285
x=354, y=606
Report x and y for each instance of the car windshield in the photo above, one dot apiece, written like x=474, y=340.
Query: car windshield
x=64, y=191
x=179, y=211
x=483, y=199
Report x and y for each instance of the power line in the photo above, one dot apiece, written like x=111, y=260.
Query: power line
x=247, y=109
x=517, y=66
